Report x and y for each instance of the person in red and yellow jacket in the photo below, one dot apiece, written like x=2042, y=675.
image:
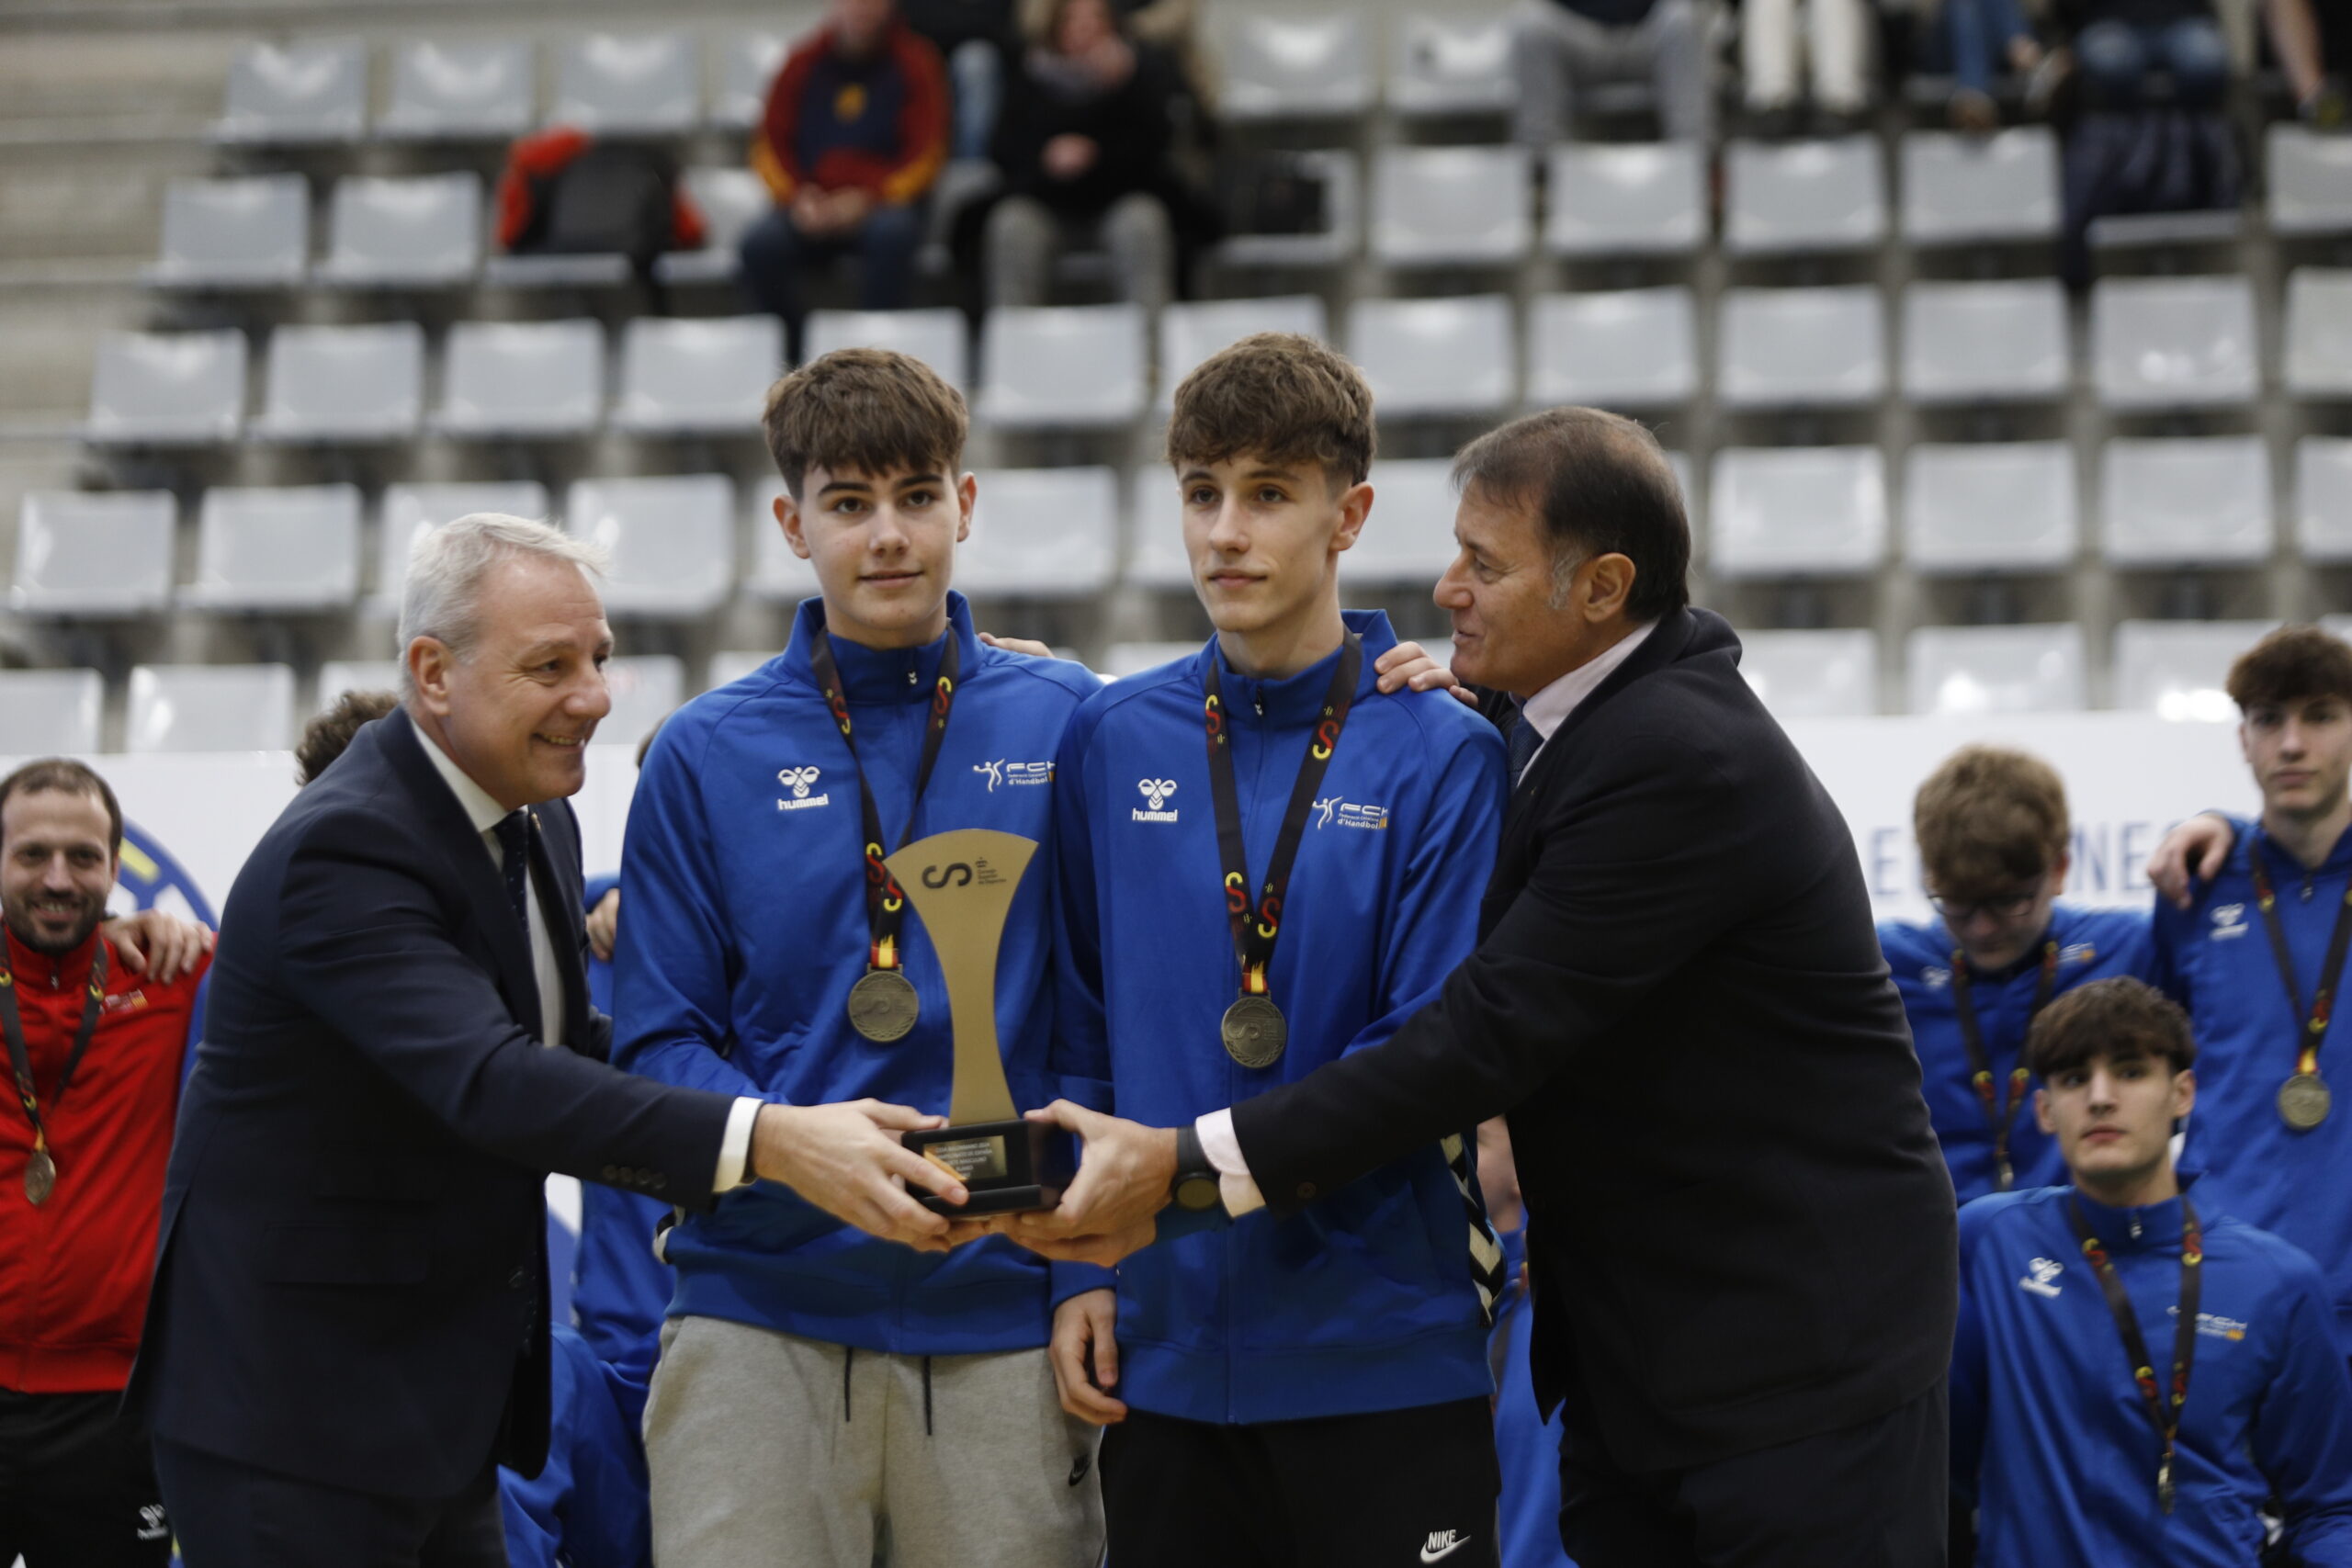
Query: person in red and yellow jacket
x=854, y=133
x=96, y=1030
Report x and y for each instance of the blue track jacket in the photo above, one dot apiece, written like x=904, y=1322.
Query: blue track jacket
x=2215, y=960
x=1527, y=1447
x=620, y=1288
x=745, y=926
x=588, y=1507
x=1365, y=1301
x=2093, y=944
x=2049, y=1434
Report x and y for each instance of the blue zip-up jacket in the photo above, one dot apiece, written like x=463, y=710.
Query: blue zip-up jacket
x=2215, y=960
x=1527, y=1447
x=1366, y=1300
x=744, y=892
x=2093, y=944
x=588, y=1507
x=620, y=1288
x=2049, y=1435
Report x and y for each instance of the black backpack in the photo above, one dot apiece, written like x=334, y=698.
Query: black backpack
x=613, y=199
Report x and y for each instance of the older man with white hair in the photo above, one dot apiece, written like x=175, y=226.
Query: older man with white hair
x=348, y=1330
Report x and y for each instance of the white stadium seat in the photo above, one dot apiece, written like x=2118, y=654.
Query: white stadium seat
x=611, y=84
x=337, y=676
x=2319, y=333
x=1427, y=358
x=1156, y=557
x=1798, y=511
x=241, y=233
x=1990, y=507
x=730, y=200
x=290, y=549
x=2323, y=497
x=289, y=94
x=1964, y=190
x=1812, y=674
x=1062, y=367
x=744, y=66
x=46, y=713
x=697, y=376
x=939, y=338
x=1636, y=199
x=411, y=511
x=646, y=689
x=777, y=574
x=671, y=541
x=332, y=384
x=2175, y=669
x=424, y=231
x=522, y=378
x=2179, y=502
x=1279, y=67
x=2161, y=343
x=459, y=89
x=1818, y=347
x=168, y=388
x=1408, y=539
x=1336, y=235
x=1191, y=333
x=1624, y=348
x=1124, y=659
x=1804, y=196
x=731, y=665
x=1962, y=670
x=210, y=708
x=1971, y=342
x=1450, y=64
x=1042, y=533
x=2310, y=176
x=85, y=554
x=1450, y=205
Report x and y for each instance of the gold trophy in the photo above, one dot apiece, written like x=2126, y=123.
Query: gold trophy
x=961, y=885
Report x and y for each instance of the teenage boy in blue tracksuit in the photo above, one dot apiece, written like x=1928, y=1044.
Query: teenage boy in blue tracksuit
x=2273, y=1127
x=1992, y=827
x=1313, y=1390
x=2071, y=1460
x=823, y=1397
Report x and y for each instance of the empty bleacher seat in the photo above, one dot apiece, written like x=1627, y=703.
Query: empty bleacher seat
x=2310, y=175
x=83, y=553
x=730, y=200
x=1294, y=67
x=1408, y=539
x=704, y=377
x=1812, y=674
x=2186, y=502
x=1122, y=659
x=1804, y=196
x=168, y=388
x=939, y=338
x=2001, y=507
x=1191, y=333
x=424, y=231
x=459, y=89
x=337, y=676
x=1450, y=205
x=288, y=549
x=1068, y=365
x=744, y=66
x=243, y=234
x=1798, y=511
x=1042, y=533
x=1436, y=356
x=2174, y=342
x=1450, y=64
x=1155, y=553
x=287, y=93
x=611, y=84
x=2175, y=669
x=343, y=383
x=210, y=708
x=50, y=713
x=777, y=574
x=730, y=665
x=411, y=511
x=2319, y=333
x=645, y=688
x=1334, y=234
x=1625, y=348
x=671, y=541
x=1962, y=190
x=1971, y=343
x=2323, y=497
x=1639, y=199
x=1780, y=347
x=522, y=378
x=1955, y=669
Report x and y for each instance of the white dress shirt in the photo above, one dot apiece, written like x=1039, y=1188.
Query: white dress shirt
x=1547, y=710
x=485, y=814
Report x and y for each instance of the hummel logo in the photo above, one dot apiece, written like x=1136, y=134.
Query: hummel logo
x=1156, y=791
x=152, y=1525
x=2229, y=919
x=799, y=779
x=1443, y=1543
x=2043, y=1271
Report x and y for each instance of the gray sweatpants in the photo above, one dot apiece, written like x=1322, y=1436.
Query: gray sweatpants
x=772, y=1452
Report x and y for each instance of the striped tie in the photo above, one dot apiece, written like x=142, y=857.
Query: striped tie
x=1485, y=1248
x=514, y=831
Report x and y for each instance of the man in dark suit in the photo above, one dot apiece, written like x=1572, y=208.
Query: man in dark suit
x=1742, y=1241
x=348, y=1327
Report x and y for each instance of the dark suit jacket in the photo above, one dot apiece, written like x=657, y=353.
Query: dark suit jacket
x=351, y=1286
x=1741, y=1230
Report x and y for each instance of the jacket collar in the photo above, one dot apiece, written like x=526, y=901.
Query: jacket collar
x=1298, y=699
x=2142, y=1228
x=1687, y=633
x=884, y=674
x=53, y=972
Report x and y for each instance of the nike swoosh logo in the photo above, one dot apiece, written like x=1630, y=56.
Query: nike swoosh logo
x=1447, y=1549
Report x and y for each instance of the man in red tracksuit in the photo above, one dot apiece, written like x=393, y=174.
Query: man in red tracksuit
x=93, y=1053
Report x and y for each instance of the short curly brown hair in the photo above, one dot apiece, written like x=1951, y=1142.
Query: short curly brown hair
x=1278, y=396
x=871, y=409
x=2118, y=1018
x=2290, y=664
x=1987, y=819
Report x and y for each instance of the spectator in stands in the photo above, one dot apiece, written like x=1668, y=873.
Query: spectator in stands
x=94, y=1050
x=854, y=133
x=2119, y=44
x=2133, y=1274
x=975, y=38
x=1084, y=143
x=1558, y=46
x=1779, y=39
x=1993, y=833
x=2312, y=39
x=1979, y=37
x=326, y=735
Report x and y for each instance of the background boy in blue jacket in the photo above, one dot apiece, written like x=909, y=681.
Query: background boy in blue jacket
x=1992, y=831
x=1313, y=1390
x=822, y=1397
x=2149, y=1429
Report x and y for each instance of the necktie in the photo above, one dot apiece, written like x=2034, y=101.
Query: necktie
x=1525, y=741
x=514, y=831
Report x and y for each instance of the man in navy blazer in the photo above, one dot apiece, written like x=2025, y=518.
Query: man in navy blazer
x=348, y=1330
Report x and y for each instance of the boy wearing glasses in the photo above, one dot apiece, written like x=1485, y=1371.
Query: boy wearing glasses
x=1992, y=832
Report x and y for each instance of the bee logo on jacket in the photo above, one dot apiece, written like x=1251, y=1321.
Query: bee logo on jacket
x=799, y=780
x=1155, y=793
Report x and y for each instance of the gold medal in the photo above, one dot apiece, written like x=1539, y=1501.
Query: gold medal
x=883, y=1006
x=1254, y=1032
x=2304, y=1101
x=40, y=1178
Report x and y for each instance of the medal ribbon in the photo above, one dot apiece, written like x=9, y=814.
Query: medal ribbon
x=1254, y=931
x=20, y=1061
x=2163, y=1413
x=2000, y=1116
x=886, y=904
x=2311, y=1029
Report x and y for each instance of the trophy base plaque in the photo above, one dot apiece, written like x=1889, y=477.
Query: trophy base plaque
x=1006, y=1166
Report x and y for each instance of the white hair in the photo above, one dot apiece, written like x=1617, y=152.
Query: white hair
x=446, y=570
